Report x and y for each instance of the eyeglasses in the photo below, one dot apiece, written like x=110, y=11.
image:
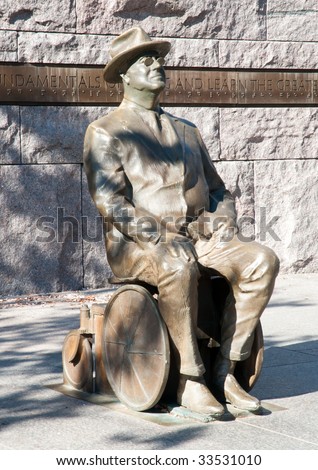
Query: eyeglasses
x=150, y=60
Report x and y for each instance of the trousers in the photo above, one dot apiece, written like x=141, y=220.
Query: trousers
x=250, y=269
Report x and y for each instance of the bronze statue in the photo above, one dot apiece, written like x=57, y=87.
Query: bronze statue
x=169, y=217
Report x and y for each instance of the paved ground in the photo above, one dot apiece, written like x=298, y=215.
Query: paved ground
x=35, y=416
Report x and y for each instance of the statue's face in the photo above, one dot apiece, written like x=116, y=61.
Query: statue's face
x=147, y=73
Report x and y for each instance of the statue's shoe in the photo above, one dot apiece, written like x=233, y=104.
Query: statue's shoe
x=194, y=394
x=236, y=395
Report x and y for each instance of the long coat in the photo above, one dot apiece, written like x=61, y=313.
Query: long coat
x=142, y=183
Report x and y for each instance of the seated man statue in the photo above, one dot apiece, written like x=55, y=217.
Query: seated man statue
x=168, y=216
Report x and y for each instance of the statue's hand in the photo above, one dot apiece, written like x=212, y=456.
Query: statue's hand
x=176, y=246
x=206, y=225
x=181, y=247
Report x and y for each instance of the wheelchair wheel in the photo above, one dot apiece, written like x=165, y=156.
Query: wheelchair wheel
x=77, y=358
x=136, y=348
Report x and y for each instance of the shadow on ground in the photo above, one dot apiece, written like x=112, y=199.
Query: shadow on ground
x=30, y=360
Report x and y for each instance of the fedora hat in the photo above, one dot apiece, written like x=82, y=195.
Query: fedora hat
x=128, y=45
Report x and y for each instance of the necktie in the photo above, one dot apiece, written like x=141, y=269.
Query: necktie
x=154, y=122
x=164, y=133
x=161, y=128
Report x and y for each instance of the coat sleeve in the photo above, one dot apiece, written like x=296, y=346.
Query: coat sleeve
x=221, y=214
x=110, y=188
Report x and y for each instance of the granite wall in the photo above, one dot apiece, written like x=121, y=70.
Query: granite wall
x=51, y=236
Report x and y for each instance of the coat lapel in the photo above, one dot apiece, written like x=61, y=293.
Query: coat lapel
x=134, y=122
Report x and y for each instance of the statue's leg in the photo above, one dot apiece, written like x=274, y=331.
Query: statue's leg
x=178, y=304
x=251, y=270
x=177, y=281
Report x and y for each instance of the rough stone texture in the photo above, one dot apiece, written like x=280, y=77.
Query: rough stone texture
x=96, y=268
x=268, y=54
x=269, y=133
x=63, y=48
x=248, y=34
x=9, y=135
x=27, y=193
x=185, y=18
x=206, y=120
x=55, y=134
x=291, y=5
x=8, y=46
x=288, y=189
x=292, y=20
x=239, y=180
x=193, y=53
x=38, y=15
x=93, y=49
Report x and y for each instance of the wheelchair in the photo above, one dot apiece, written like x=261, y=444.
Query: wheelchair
x=123, y=347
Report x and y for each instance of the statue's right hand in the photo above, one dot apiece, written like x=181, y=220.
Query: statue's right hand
x=177, y=246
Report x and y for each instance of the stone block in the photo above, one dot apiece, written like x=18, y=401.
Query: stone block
x=268, y=54
x=63, y=48
x=38, y=15
x=95, y=265
x=55, y=134
x=9, y=135
x=193, y=53
x=8, y=46
x=291, y=5
x=292, y=20
x=286, y=208
x=269, y=133
x=222, y=19
x=41, y=250
x=206, y=120
x=238, y=178
x=93, y=49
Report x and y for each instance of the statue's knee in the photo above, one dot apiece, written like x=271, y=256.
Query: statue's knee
x=188, y=269
x=275, y=263
x=269, y=262
x=181, y=270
